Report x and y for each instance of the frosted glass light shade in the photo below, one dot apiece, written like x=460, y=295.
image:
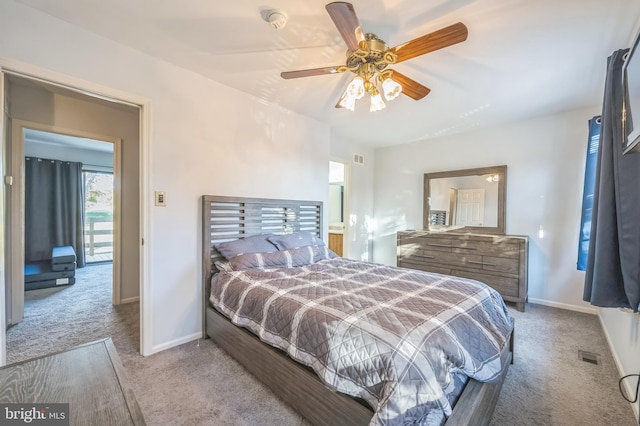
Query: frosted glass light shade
x=348, y=101
x=376, y=102
x=391, y=89
x=356, y=88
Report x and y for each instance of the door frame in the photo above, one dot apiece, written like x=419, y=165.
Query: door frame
x=3, y=152
x=18, y=207
x=346, y=203
x=23, y=70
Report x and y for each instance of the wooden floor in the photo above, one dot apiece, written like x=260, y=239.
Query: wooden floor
x=90, y=378
x=102, y=257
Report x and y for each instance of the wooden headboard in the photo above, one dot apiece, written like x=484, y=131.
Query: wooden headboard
x=231, y=218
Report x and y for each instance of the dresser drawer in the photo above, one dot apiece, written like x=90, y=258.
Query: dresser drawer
x=506, y=286
x=498, y=248
x=445, y=258
x=428, y=243
x=424, y=266
x=497, y=264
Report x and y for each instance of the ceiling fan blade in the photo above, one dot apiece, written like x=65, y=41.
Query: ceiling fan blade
x=410, y=87
x=345, y=19
x=310, y=72
x=444, y=37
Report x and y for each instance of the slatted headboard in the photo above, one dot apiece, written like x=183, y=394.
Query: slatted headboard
x=231, y=218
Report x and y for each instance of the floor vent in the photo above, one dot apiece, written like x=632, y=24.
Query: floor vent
x=589, y=357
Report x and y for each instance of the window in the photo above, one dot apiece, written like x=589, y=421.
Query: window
x=98, y=216
x=589, y=188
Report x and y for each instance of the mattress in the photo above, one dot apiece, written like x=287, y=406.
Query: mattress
x=63, y=266
x=64, y=254
x=43, y=271
x=39, y=275
x=36, y=285
x=403, y=340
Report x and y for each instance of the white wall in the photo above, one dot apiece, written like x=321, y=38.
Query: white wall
x=545, y=172
x=87, y=157
x=623, y=333
x=206, y=138
x=358, y=196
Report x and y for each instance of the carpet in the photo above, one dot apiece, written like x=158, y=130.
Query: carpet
x=59, y=318
x=199, y=384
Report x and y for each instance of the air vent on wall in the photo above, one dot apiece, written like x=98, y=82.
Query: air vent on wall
x=358, y=159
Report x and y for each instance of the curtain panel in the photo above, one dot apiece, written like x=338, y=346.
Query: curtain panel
x=54, y=208
x=612, y=277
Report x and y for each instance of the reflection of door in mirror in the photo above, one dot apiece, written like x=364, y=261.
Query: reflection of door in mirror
x=470, y=207
x=465, y=200
x=335, y=207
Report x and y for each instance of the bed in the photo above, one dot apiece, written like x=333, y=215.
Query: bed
x=231, y=218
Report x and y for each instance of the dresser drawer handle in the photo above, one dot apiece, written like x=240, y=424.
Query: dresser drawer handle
x=481, y=263
x=475, y=262
x=438, y=245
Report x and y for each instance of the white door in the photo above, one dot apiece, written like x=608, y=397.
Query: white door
x=470, y=208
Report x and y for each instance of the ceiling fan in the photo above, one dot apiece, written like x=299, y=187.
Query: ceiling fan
x=368, y=57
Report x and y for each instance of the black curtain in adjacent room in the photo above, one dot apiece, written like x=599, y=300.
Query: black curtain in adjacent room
x=613, y=266
x=54, y=208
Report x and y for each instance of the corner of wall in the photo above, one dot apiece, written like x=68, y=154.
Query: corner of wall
x=614, y=330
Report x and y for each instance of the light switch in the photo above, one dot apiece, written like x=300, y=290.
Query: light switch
x=161, y=199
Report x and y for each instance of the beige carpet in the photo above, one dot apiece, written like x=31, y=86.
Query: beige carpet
x=59, y=318
x=198, y=384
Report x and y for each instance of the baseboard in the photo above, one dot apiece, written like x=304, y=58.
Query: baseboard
x=627, y=383
x=583, y=309
x=130, y=300
x=176, y=342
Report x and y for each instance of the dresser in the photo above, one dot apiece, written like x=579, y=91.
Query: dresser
x=500, y=261
x=90, y=378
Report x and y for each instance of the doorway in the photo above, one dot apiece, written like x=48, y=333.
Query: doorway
x=337, y=210
x=102, y=116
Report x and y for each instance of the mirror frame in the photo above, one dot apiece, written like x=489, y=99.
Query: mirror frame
x=502, y=193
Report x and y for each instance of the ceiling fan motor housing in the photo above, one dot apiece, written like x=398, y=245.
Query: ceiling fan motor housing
x=373, y=51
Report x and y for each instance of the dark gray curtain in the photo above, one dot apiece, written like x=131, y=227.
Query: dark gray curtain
x=613, y=265
x=54, y=208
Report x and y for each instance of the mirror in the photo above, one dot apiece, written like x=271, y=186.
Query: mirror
x=470, y=200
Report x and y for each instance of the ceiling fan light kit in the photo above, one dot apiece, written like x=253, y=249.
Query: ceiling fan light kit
x=368, y=57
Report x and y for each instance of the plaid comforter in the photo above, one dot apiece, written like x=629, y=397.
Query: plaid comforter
x=401, y=339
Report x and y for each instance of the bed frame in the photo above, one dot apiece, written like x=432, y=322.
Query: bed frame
x=230, y=218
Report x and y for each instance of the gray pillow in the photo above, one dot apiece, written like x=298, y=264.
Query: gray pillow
x=255, y=244
x=295, y=240
x=281, y=259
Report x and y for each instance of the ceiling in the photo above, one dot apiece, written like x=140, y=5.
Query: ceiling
x=522, y=58
x=66, y=141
